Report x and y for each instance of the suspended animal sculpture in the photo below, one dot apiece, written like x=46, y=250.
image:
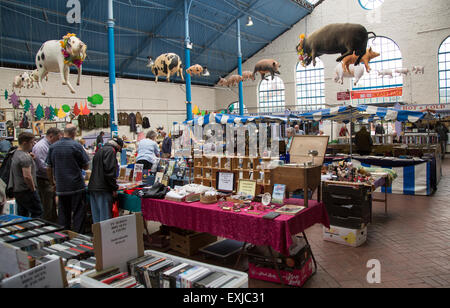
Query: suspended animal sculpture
x=59, y=56
x=368, y=56
x=196, y=69
x=21, y=81
x=267, y=66
x=404, y=71
x=418, y=69
x=234, y=80
x=167, y=64
x=354, y=72
x=223, y=82
x=345, y=39
x=386, y=73
x=247, y=75
x=35, y=77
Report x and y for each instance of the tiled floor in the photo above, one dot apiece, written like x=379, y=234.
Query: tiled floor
x=412, y=244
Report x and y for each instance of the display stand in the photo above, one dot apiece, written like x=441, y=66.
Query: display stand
x=244, y=168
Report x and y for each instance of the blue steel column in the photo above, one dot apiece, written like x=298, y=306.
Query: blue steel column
x=241, y=89
x=187, y=60
x=112, y=69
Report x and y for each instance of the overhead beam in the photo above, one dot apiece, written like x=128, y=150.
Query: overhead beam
x=227, y=27
x=147, y=41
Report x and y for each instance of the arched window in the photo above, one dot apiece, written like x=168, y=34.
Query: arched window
x=444, y=71
x=310, y=87
x=272, y=97
x=390, y=59
x=370, y=4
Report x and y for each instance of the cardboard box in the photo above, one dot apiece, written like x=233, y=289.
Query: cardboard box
x=344, y=236
x=189, y=244
x=296, y=277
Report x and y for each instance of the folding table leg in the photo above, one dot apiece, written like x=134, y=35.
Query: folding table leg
x=276, y=265
x=310, y=251
x=240, y=255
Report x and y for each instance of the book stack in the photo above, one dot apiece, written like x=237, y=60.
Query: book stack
x=161, y=272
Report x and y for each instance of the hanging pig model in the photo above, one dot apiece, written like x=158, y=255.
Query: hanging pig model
x=404, y=71
x=369, y=55
x=354, y=71
x=247, y=75
x=267, y=66
x=222, y=82
x=59, y=56
x=345, y=39
x=234, y=80
x=167, y=64
x=387, y=72
x=196, y=69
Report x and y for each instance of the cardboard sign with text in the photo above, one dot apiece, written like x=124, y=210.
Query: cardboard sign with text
x=47, y=275
x=118, y=240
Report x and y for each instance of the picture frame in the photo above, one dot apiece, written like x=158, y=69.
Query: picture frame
x=278, y=194
x=159, y=177
x=2, y=125
x=247, y=187
x=225, y=182
x=38, y=128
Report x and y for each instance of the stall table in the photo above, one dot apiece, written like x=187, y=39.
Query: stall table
x=241, y=226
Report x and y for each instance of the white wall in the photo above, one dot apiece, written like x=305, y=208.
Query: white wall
x=162, y=103
x=417, y=26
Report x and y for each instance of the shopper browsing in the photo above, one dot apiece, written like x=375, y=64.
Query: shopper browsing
x=166, y=145
x=363, y=141
x=23, y=178
x=103, y=182
x=66, y=159
x=148, y=151
x=298, y=131
x=46, y=190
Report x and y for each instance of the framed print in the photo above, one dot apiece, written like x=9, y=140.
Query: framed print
x=2, y=125
x=38, y=128
x=225, y=181
x=279, y=191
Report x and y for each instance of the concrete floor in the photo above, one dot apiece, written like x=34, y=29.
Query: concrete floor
x=411, y=242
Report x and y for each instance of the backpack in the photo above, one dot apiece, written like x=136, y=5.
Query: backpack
x=5, y=172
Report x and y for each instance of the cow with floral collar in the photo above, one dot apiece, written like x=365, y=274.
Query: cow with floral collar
x=59, y=56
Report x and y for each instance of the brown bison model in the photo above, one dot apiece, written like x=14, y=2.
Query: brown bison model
x=167, y=64
x=267, y=66
x=345, y=39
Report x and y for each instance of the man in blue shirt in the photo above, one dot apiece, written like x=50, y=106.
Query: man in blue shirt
x=166, y=145
x=46, y=191
x=148, y=151
x=66, y=159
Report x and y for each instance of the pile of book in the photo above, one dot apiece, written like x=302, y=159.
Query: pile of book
x=116, y=279
x=160, y=272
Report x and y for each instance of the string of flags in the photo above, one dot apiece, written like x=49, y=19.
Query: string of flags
x=51, y=113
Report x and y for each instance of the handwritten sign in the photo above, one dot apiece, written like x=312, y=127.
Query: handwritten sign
x=225, y=181
x=47, y=275
x=247, y=187
x=117, y=241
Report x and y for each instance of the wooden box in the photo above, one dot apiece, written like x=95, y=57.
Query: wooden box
x=295, y=178
x=301, y=145
x=189, y=243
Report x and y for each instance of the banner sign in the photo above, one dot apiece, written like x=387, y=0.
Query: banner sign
x=434, y=107
x=377, y=93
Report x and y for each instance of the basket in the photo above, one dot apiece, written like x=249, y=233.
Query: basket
x=208, y=199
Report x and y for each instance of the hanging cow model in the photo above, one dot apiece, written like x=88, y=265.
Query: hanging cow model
x=345, y=39
x=59, y=56
x=167, y=64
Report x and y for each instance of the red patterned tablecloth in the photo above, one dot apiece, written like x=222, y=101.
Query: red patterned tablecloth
x=241, y=226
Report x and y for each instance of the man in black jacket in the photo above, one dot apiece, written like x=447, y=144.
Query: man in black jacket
x=103, y=182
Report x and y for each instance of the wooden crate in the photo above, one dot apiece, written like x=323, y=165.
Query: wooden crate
x=190, y=243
